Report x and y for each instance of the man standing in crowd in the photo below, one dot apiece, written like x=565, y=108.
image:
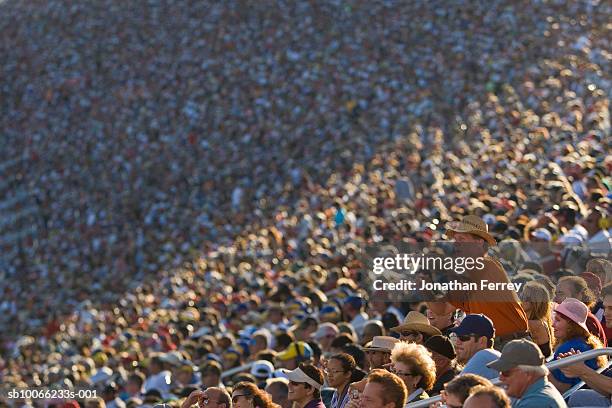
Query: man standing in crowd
x=474, y=345
x=379, y=351
x=383, y=390
x=524, y=375
x=502, y=306
x=305, y=383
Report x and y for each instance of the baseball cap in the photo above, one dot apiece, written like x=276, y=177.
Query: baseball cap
x=542, y=233
x=326, y=330
x=574, y=310
x=518, y=352
x=441, y=345
x=475, y=324
x=296, y=349
x=262, y=369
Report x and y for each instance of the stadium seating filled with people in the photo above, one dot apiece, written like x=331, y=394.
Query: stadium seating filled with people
x=188, y=189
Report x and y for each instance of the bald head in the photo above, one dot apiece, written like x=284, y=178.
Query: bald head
x=219, y=395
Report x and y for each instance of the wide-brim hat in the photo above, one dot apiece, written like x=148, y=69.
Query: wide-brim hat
x=418, y=322
x=381, y=343
x=470, y=224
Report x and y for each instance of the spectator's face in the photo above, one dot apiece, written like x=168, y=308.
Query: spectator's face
x=607, y=303
x=378, y=358
x=515, y=382
x=407, y=374
x=451, y=400
x=560, y=325
x=132, y=387
x=297, y=391
x=439, y=321
x=260, y=343
x=564, y=290
x=336, y=375
x=210, y=399
x=468, y=345
x=411, y=336
x=372, y=396
x=210, y=379
x=242, y=399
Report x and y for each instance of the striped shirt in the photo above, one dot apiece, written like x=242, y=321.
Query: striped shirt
x=336, y=403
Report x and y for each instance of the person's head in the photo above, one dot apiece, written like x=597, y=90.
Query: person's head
x=383, y=390
x=570, y=320
x=357, y=353
x=458, y=389
x=471, y=236
x=378, y=352
x=275, y=314
x=216, y=397
x=440, y=321
x=296, y=353
x=325, y=334
x=574, y=287
x=259, y=342
x=414, y=365
x=592, y=221
x=602, y=268
x=339, y=370
x=134, y=383
x=487, y=397
x=352, y=306
x=535, y=301
x=371, y=329
x=475, y=333
x=305, y=383
x=306, y=329
x=278, y=388
x=416, y=328
x=339, y=342
x=442, y=352
x=211, y=374
x=97, y=402
x=520, y=365
x=247, y=395
x=606, y=295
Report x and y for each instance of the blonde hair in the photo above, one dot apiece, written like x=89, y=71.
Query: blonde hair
x=538, y=298
x=419, y=359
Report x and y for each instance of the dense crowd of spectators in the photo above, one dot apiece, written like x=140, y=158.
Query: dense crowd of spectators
x=208, y=174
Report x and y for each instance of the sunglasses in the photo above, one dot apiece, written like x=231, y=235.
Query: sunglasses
x=467, y=337
x=236, y=396
x=402, y=373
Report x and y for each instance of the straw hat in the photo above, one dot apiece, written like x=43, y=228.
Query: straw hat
x=470, y=224
x=418, y=322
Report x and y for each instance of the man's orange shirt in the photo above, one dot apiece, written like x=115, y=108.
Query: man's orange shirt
x=501, y=306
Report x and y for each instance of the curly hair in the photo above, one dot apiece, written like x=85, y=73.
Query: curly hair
x=261, y=399
x=419, y=359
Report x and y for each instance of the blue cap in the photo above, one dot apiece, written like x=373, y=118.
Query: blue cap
x=476, y=324
x=355, y=301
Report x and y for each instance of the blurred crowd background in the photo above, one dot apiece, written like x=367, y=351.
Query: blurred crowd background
x=175, y=174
